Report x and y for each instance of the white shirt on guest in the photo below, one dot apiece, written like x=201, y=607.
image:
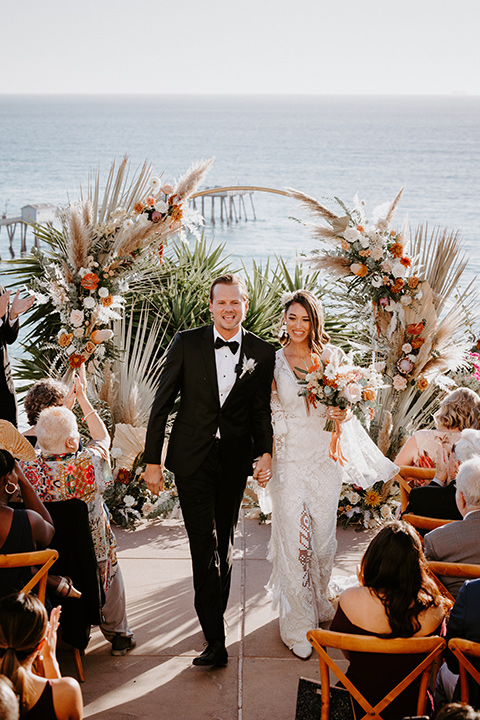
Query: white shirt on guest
x=226, y=362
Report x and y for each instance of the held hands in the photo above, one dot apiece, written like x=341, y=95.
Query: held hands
x=153, y=477
x=262, y=469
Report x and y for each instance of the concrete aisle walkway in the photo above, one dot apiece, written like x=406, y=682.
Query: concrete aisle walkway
x=157, y=679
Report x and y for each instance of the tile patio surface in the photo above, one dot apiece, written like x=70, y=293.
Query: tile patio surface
x=157, y=679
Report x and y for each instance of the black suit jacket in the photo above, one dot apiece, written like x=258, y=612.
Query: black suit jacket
x=464, y=623
x=244, y=419
x=435, y=501
x=8, y=335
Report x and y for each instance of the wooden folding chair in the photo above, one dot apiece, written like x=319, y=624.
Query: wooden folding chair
x=407, y=471
x=44, y=558
x=437, y=569
x=463, y=649
x=430, y=647
x=421, y=522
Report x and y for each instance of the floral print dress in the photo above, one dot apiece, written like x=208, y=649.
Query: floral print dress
x=83, y=475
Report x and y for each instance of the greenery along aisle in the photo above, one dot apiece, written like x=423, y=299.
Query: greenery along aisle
x=154, y=291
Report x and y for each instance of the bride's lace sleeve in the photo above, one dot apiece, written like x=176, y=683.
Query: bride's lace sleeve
x=280, y=430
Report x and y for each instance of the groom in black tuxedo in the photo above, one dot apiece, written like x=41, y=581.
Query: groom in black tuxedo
x=221, y=432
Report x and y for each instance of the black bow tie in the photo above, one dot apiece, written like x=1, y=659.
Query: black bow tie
x=232, y=344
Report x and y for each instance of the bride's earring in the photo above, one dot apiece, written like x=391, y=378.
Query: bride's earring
x=14, y=486
x=283, y=335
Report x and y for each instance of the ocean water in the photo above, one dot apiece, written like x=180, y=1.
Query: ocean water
x=325, y=146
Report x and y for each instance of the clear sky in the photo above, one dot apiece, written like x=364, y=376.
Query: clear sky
x=414, y=47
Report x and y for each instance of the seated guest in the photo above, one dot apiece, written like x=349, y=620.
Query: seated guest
x=45, y=393
x=464, y=622
x=459, y=541
x=9, y=709
x=20, y=530
x=457, y=711
x=62, y=472
x=460, y=409
x=396, y=599
x=25, y=633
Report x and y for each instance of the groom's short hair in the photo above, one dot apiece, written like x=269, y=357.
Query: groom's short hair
x=229, y=279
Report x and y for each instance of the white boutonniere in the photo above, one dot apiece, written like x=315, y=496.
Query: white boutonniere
x=248, y=366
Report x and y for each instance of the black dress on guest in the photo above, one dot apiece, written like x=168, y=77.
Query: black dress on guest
x=19, y=539
x=375, y=674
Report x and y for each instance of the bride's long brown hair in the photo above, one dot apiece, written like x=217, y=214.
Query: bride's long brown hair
x=317, y=338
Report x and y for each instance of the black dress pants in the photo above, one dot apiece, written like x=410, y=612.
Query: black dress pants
x=210, y=499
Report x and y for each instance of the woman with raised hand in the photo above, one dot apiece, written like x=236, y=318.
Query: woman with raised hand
x=25, y=635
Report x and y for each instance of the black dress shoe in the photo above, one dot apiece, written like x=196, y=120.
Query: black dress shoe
x=214, y=654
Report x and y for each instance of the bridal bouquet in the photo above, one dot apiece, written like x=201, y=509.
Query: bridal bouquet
x=334, y=380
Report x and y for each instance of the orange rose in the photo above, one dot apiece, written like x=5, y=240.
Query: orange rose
x=398, y=285
x=90, y=281
x=369, y=393
x=107, y=301
x=123, y=476
x=345, y=245
x=415, y=328
x=412, y=282
x=150, y=201
x=76, y=360
x=90, y=347
x=422, y=383
x=392, y=233
x=359, y=269
x=138, y=208
x=65, y=339
x=417, y=342
x=406, y=262
x=397, y=250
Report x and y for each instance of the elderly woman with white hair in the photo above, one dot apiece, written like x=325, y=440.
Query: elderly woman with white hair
x=63, y=472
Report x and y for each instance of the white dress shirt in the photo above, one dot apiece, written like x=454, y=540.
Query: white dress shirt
x=226, y=362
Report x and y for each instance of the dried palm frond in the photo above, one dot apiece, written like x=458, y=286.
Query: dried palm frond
x=128, y=442
x=383, y=440
x=312, y=205
x=137, y=369
x=440, y=254
x=189, y=182
x=337, y=267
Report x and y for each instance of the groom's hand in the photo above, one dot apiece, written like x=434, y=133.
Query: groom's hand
x=262, y=469
x=154, y=478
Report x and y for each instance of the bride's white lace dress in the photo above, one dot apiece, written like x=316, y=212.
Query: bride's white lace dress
x=304, y=493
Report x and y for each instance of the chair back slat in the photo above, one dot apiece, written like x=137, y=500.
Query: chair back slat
x=45, y=558
x=430, y=647
x=461, y=648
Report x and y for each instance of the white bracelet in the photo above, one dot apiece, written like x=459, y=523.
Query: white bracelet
x=90, y=413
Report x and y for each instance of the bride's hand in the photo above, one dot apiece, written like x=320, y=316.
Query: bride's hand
x=340, y=415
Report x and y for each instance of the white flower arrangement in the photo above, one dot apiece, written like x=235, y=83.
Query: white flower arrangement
x=98, y=249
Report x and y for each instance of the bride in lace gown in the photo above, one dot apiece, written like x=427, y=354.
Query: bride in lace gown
x=306, y=483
